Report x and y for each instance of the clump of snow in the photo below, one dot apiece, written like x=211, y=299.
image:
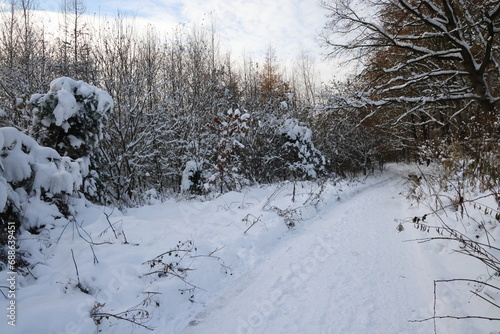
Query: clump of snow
x=187, y=175
x=23, y=158
x=38, y=213
x=15, y=162
x=69, y=95
x=43, y=174
x=75, y=141
x=295, y=131
x=66, y=108
x=151, y=197
x=61, y=182
x=193, y=178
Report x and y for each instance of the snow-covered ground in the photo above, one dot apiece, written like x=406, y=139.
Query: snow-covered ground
x=343, y=268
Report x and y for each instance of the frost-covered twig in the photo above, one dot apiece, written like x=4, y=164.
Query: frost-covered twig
x=79, y=285
x=175, y=267
x=254, y=221
x=109, y=222
x=115, y=231
x=136, y=315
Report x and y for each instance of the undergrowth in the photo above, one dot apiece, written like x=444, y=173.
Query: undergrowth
x=460, y=192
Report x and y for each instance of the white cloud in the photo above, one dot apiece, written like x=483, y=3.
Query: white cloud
x=243, y=25
x=287, y=25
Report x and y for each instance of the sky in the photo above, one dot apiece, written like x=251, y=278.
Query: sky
x=244, y=26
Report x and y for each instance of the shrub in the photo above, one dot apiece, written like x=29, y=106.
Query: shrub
x=461, y=191
x=31, y=175
x=303, y=160
x=70, y=119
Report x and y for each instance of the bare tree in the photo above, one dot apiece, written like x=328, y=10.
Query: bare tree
x=306, y=72
x=23, y=60
x=74, y=43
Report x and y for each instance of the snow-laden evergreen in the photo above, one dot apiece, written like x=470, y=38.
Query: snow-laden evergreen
x=303, y=159
x=30, y=173
x=70, y=118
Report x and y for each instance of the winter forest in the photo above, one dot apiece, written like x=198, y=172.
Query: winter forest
x=102, y=116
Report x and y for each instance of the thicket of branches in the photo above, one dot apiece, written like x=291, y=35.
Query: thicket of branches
x=176, y=98
x=429, y=73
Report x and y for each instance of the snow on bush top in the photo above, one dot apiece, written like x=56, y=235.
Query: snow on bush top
x=294, y=131
x=64, y=91
x=188, y=174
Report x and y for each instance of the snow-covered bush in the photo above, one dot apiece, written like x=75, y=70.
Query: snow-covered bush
x=302, y=158
x=230, y=127
x=193, y=179
x=34, y=178
x=260, y=159
x=70, y=119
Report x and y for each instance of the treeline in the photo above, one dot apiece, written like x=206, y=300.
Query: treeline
x=186, y=115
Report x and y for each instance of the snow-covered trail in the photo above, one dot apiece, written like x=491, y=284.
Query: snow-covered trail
x=347, y=271
x=343, y=269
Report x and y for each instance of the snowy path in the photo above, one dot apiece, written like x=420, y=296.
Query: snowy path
x=344, y=269
x=345, y=272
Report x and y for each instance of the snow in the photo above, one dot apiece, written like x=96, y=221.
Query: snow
x=343, y=268
x=309, y=160
x=22, y=158
x=191, y=168
x=337, y=274
x=294, y=131
x=15, y=163
x=61, y=181
x=43, y=174
x=66, y=107
x=65, y=92
x=66, y=88
x=75, y=141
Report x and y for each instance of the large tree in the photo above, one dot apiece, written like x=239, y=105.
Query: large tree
x=430, y=64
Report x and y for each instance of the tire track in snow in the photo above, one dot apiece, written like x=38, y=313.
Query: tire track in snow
x=346, y=271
